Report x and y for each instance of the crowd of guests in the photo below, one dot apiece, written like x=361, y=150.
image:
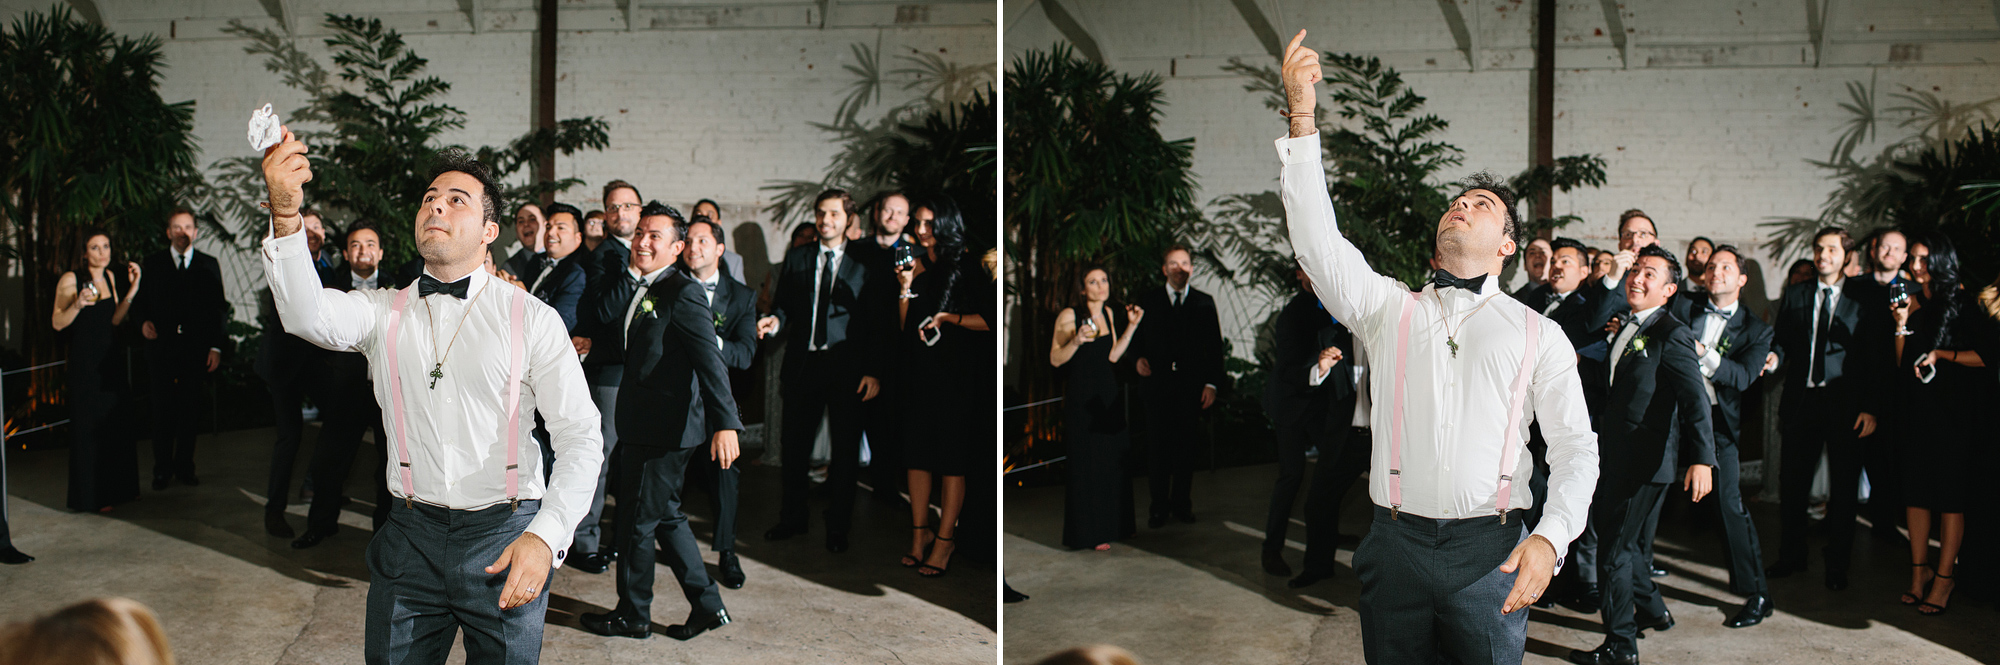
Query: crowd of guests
x=1877, y=343
x=880, y=315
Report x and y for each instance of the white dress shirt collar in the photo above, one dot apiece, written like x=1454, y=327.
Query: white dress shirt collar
x=182, y=259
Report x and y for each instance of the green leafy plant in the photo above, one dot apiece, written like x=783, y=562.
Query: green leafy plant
x=940, y=141
x=1938, y=177
x=375, y=131
x=85, y=140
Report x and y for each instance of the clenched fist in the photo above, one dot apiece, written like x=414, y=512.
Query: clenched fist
x=286, y=172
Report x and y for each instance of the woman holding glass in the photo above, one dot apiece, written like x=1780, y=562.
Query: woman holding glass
x=1088, y=343
x=91, y=302
x=945, y=352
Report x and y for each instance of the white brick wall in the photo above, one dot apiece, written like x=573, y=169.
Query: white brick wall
x=713, y=113
x=1708, y=130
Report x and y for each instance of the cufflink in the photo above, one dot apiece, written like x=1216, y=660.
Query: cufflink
x=561, y=553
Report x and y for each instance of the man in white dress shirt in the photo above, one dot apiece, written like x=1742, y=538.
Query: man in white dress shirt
x=461, y=363
x=1447, y=568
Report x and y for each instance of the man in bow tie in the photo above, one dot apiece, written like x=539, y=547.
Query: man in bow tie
x=1731, y=344
x=1448, y=568
x=462, y=363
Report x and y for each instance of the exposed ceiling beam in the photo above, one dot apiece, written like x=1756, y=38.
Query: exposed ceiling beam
x=1075, y=28
x=1455, y=20
x=286, y=13
x=1472, y=37
x=1261, y=26
x=1615, y=24
x=94, y=11
x=1016, y=10
x=475, y=10
x=1825, y=37
x=631, y=15
x=826, y=14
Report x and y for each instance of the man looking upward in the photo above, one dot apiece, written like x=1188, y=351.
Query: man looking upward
x=1448, y=566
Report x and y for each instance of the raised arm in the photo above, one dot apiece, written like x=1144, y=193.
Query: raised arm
x=1341, y=277
x=330, y=319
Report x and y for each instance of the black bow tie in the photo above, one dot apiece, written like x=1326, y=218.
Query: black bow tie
x=1443, y=278
x=636, y=282
x=1718, y=312
x=428, y=285
x=708, y=285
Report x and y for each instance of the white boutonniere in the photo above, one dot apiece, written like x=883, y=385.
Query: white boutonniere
x=1637, y=345
x=646, y=306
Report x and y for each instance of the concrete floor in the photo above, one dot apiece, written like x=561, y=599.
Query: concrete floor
x=227, y=593
x=1196, y=593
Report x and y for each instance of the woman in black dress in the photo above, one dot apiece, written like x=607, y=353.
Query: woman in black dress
x=944, y=352
x=91, y=302
x=1087, y=345
x=1938, y=333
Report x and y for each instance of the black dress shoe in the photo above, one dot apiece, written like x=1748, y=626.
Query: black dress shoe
x=13, y=557
x=1274, y=563
x=783, y=531
x=1836, y=580
x=1662, y=623
x=591, y=562
x=1306, y=579
x=1784, y=569
x=1604, y=655
x=609, y=624
x=275, y=525
x=160, y=481
x=188, y=479
x=1755, y=610
x=732, y=570
x=1156, y=521
x=311, y=538
x=835, y=543
x=698, y=624
x=1185, y=516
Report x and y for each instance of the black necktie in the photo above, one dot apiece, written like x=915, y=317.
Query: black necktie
x=428, y=285
x=1825, y=320
x=1443, y=278
x=820, y=303
x=1179, y=296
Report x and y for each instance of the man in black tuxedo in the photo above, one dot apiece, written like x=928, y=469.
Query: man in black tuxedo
x=1179, y=355
x=1887, y=252
x=599, y=317
x=1654, y=405
x=1535, y=262
x=562, y=270
x=676, y=392
x=285, y=362
x=831, y=363
x=350, y=408
x=1310, y=387
x=1731, y=344
x=881, y=417
x=1827, y=405
x=733, y=310
x=520, y=259
x=180, y=314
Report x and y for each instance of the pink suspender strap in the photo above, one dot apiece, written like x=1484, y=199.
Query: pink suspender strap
x=396, y=396
x=516, y=358
x=1396, y=406
x=1510, y=450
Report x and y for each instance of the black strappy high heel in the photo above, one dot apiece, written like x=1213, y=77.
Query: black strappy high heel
x=912, y=562
x=1924, y=606
x=928, y=570
x=1913, y=599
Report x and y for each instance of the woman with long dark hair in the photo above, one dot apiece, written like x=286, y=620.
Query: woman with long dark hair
x=91, y=302
x=946, y=358
x=1939, y=328
x=1089, y=341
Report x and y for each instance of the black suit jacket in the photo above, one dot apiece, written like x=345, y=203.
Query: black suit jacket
x=563, y=288
x=1744, y=343
x=1855, y=354
x=734, y=309
x=610, y=258
x=1179, y=341
x=1655, y=407
x=601, y=317
x=186, y=307
x=856, y=323
x=675, y=390
x=1302, y=331
x=524, y=265
x=281, y=356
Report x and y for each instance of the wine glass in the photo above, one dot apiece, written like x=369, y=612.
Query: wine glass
x=906, y=259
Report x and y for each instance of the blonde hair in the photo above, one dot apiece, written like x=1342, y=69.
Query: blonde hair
x=1096, y=654
x=992, y=262
x=105, y=631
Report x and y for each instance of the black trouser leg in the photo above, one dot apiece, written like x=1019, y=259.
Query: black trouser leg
x=844, y=424
x=1342, y=458
x=339, y=442
x=649, y=514
x=1812, y=425
x=1173, y=407
x=1620, y=522
x=1650, y=531
x=1746, y=570
x=802, y=410
x=1292, y=443
x=286, y=401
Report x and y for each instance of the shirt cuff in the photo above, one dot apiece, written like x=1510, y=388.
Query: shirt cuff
x=1710, y=362
x=1548, y=531
x=279, y=249
x=557, y=538
x=1314, y=377
x=1209, y=386
x=1298, y=150
x=1611, y=283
